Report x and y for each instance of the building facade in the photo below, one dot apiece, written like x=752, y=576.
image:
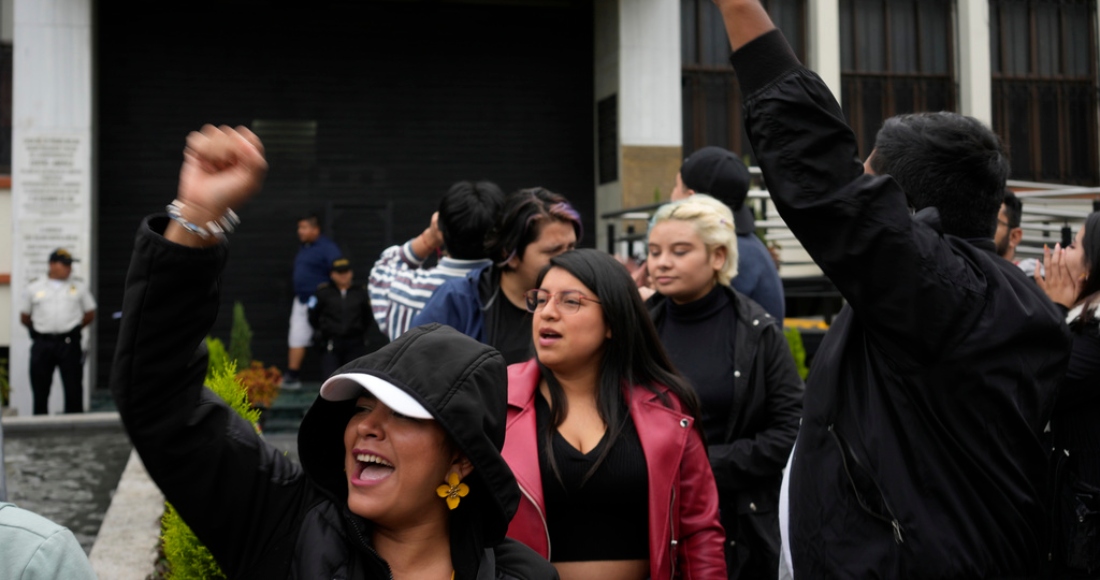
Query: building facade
x=369, y=110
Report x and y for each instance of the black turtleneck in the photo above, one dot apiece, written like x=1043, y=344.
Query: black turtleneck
x=699, y=339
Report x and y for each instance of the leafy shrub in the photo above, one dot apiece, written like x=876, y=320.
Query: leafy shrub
x=262, y=384
x=186, y=557
x=240, y=338
x=798, y=351
x=224, y=383
x=217, y=357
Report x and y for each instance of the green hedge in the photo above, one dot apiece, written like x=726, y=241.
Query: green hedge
x=240, y=338
x=798, y=350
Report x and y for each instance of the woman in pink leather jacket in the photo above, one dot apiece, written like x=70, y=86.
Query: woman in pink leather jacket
x=602, y=436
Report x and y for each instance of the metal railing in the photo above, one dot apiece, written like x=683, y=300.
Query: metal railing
x=1051, y=213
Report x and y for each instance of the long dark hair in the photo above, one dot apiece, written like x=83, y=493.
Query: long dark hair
x=1090, y=243
x=633, y=356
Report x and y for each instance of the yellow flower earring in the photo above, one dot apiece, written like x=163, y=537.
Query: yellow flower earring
x=453, y=491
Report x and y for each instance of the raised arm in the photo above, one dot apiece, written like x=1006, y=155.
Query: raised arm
x=210, y=463
x=394, y=277
x=222, y=168
x=745, y=21
x=430, y=240
x=899, y=272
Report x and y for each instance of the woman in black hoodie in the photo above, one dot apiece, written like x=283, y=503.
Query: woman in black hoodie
x=401, y=473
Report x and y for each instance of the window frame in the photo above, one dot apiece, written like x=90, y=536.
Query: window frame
x=1034, y=83
x=854, y=80
x=695, y=76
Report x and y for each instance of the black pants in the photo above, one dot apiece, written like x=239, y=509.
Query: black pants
x=60, y=352
x=337, y=352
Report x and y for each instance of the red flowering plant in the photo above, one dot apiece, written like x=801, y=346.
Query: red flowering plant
x=261, y=383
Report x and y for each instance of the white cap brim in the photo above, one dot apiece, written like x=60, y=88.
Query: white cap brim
x=349, y=386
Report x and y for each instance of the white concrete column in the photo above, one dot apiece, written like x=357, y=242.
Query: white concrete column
x=52, y=200
x=637, y=56
x=975, y=67
x=649, y=73
x=823, y=47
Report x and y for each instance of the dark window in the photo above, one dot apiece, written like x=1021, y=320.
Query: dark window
x=286, y=142
x=5, y=108
x=711, y=97
x=1044, y=88
x=607, y=122
x=896, y=57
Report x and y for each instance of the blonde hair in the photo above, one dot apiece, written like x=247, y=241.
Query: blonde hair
x=713, y=222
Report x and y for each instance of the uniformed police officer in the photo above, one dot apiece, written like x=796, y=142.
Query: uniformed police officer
x=55, y=309
x=344, y=326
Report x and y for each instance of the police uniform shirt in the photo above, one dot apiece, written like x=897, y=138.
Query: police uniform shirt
x=57, y=306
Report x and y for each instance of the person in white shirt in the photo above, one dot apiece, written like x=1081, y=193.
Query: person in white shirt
x=55, y=309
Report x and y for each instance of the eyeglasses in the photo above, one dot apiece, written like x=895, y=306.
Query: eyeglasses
x=1001, y=222
x=569, y=301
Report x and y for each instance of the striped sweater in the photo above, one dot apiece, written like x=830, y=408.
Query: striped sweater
x=399, y=288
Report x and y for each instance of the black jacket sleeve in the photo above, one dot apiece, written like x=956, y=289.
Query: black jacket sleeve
x=898, y=273
x=238, y=494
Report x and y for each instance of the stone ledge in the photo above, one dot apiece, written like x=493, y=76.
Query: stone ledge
x=60, y=423
x=126, y=547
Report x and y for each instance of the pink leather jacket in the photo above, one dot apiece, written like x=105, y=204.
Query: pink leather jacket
x=685, y=538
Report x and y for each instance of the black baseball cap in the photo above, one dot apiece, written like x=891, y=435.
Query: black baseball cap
x=62, y=255
x=341, y=265
x=721, y=174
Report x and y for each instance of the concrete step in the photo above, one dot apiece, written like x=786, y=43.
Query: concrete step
x=101, y=401
x=288, y=409
x=284, y=416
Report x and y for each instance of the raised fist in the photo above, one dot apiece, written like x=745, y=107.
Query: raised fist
x=222, y=168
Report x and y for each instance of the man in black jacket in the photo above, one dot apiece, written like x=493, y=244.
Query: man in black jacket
x=344, y=328
x=919, y=453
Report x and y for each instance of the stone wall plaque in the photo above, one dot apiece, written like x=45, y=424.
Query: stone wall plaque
x=53, y=175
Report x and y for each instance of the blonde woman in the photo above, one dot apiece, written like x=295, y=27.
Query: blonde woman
x=735, y=356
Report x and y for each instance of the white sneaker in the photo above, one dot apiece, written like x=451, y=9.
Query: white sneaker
x=291, y=384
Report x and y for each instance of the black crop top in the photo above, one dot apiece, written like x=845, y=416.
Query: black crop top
x=607, y=518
